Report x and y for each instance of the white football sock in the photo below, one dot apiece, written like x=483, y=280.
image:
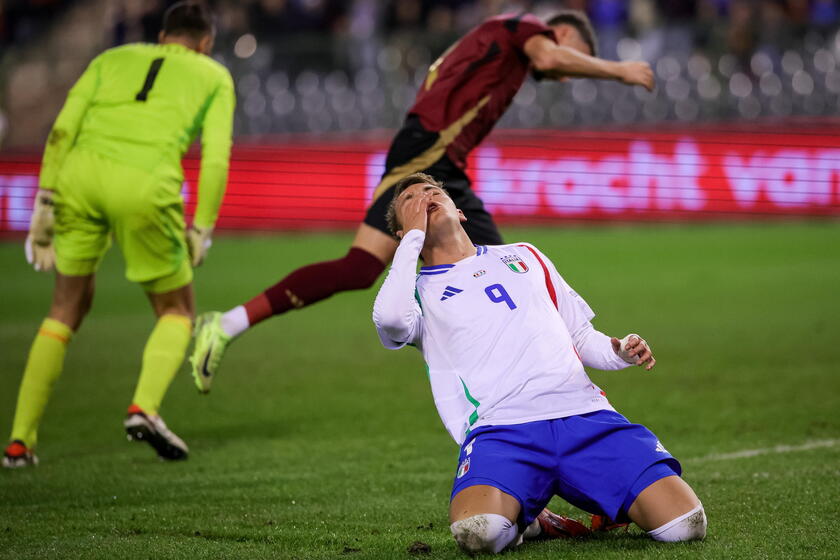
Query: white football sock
x=687, y=527
x=235, y=321
x=533, y=530
x=487, y=532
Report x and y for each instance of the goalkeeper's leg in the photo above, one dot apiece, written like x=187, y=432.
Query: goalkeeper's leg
x=162, y=358
x=357, y=270
x=71, y=301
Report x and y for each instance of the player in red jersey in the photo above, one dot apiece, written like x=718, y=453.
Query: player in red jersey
x=466, y=92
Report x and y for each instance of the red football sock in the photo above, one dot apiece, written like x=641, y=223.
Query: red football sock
x=258, y=309
x=357, y=270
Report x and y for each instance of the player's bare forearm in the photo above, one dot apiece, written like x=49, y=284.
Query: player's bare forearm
x=569, y=62
x=557, y=62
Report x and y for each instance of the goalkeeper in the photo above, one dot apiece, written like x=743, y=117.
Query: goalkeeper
x=111, y=167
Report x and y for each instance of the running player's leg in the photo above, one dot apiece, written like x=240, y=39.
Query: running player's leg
x=372, y=248
x=413, y=149
x=358, y=269
x=370, y=251
x=72, y=297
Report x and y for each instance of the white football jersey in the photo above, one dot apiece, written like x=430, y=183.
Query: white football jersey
x=502, y=333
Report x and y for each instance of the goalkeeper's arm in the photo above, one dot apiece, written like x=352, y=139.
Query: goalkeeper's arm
x=217, y=130
x=67, y=124
x=39, y=247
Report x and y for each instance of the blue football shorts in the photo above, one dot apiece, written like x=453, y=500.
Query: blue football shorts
x=598, y=462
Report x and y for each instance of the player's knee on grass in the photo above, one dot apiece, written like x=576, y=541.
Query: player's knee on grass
x=487, y=532
x=690, y=526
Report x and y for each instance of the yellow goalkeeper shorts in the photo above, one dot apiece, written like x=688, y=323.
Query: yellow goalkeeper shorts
x=96, y=197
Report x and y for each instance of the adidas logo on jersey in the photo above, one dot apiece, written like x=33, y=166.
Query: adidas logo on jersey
x=660, y=448
x=449, y=291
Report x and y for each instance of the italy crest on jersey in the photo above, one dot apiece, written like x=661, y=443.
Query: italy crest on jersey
x=515, y=263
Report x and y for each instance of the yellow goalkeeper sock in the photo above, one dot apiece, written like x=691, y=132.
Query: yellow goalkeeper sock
x=44, y=365
x=162, y=358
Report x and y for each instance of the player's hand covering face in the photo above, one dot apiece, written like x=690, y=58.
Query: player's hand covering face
x=421, y=205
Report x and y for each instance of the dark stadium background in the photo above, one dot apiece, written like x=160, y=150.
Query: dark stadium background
x=741, y=124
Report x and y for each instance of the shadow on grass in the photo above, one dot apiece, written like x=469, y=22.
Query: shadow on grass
x=237, y=431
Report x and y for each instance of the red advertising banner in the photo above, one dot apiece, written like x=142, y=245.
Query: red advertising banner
x=523, y=177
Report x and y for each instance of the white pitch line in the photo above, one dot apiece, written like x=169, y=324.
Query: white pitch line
x=746, y=453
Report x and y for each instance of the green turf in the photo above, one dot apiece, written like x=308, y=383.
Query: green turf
x=317, y=443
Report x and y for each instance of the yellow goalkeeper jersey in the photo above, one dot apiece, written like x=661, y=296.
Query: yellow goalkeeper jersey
x=143, y=105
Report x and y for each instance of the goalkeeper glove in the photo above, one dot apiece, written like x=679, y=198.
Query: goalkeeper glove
x=39, y=247
x=198, y=243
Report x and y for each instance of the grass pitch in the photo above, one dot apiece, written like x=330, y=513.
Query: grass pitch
x=318, y=443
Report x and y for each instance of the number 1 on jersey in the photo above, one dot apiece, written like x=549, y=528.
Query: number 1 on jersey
x=498, y=294
x=151, y=75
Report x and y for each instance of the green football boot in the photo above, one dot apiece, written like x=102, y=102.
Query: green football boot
x=211, y=341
